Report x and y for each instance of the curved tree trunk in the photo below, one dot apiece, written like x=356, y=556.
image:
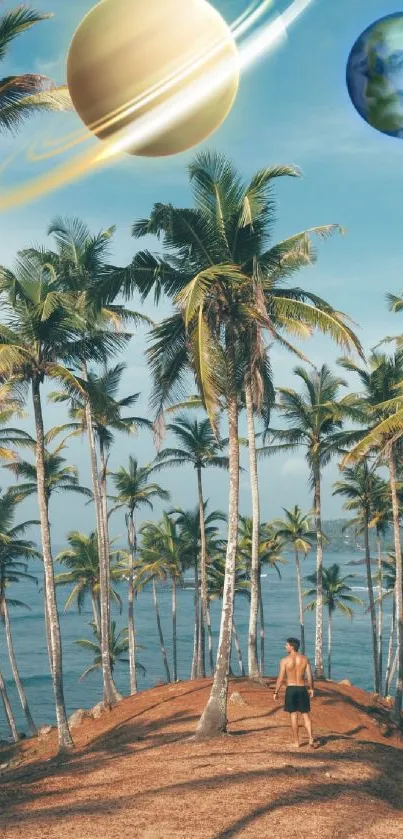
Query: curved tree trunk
x=253, y=664
x=14, y=668
x=110, y=694
x=193, y=674
x=300, y=602
x=46, y=615
x=174, y=645
x=214, y=718
x=65, y=741
x=8, y=709
x=95, y=612
x=210, y=640
x=104, y=500
x=372, y=608
x=394, y=668
x=201, y=657
x=390, y=647
x=132, y=540
x=238, y=650
x=161, y=637
x=399, y=588
x=319, y=669
x=380, y=613
x=262, y=630
x=329, y=645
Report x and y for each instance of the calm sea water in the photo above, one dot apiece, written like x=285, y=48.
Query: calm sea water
x=351, y=640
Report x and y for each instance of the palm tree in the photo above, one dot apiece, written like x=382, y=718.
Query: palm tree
x=85, y=275
x=336, y=595
x=198, y=448
x=188, y=522
x=81, y=560
x=163, y=556
x=8, y=709
x=215, y=580
x=156, y=564
x=58, y=476
x=118, y=647
x=23, y=95
x=389, y=584
x=295, y=530
x=359, y=485
x=270, y=555
x=134, y=490
x=381, y=409
x=15, y=551
x=224, y=282
x=314, y=419
x=381, y=519
x=39, y=335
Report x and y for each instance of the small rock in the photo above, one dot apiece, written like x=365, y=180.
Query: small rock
x=4, y=765
x=237, y=699
x=78, y=718
x=45, y=730
x=345, y=682
x=97, y=711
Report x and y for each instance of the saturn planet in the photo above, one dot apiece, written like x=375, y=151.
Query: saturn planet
x=130, y=59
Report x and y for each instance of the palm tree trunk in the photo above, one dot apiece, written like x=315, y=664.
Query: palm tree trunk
x=253, y=665
x=329, y=645
x=104, y=500
x=398, y=589
x=193, y=674
x=111, y=695
x=161, y=637
x=95, y=611
x=174, y=646
x=380, y=613
x=131, y=538
x=210, y=639
x=319, y=669
x=8, y=709
x=214, y=718
x=300, y=602
x=14, y=668
x=262, y=633
x=372, y=608
x=390, y=647
x=65, y=741
x=394, y=668
x=47, y=630
x=201, y=662
x=238, y=649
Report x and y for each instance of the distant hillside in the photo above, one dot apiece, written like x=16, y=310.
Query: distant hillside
x=346, y=541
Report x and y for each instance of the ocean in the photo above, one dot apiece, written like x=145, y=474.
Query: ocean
x=351, y=658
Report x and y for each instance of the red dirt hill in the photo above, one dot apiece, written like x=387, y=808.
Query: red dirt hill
x=136, y=773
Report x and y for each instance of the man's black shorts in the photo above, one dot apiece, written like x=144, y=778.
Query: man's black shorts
x=297, y=699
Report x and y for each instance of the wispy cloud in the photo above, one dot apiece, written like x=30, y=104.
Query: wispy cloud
x=334, y=133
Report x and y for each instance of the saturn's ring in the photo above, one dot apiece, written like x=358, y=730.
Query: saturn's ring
x=256, y=32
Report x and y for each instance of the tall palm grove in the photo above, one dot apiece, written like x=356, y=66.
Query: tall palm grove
x=67, y=315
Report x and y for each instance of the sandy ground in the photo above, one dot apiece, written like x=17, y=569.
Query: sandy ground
x=136, y=772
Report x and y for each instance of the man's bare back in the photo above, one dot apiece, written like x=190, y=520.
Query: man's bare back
x=296, y=670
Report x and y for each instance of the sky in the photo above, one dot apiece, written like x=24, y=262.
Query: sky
x=292, y=108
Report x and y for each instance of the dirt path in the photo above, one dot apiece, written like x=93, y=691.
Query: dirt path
x=137, y=774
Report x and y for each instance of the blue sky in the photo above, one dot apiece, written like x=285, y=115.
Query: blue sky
x=292, y=107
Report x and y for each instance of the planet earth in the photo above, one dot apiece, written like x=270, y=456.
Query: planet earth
x=375, y=75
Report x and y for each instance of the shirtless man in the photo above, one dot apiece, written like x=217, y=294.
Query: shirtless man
x=294, y=668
